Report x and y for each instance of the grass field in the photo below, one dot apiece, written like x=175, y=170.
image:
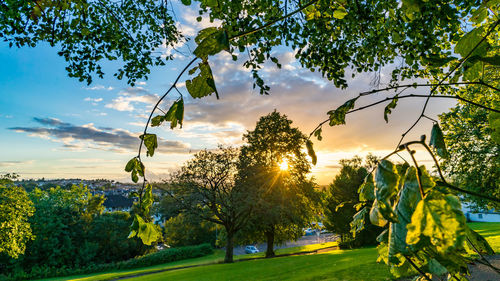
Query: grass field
x=358, y=264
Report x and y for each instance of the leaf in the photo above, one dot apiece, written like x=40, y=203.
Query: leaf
x=376, y=217
x=157, y=120
x=211, y=41
x=479, y=15
x=145, y=230
x=358, y=222
x=386, y=183
x=465, y=44
x=203, y=84
x=410, y=8
x=409, y=196
x=494, y=120
x=151, y=143
x=439, y=218
x=186, y=2
x=135, y=167
x=437, y=141
x=390, y=106
x=340, y=13
x=436, y=268
x=175, y=113
x=337, y=116
x=493, y=60
x=317, y=134
x=367, y=190
x=310, y=151
x=481, y=245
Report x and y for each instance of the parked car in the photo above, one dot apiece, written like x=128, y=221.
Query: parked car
x=310, y=231
x=251, y=250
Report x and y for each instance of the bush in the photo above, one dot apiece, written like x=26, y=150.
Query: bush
x=163, y=256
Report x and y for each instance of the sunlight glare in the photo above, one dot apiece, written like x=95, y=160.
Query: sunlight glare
x=284, y=165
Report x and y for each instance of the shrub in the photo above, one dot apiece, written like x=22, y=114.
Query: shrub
x=163, y=256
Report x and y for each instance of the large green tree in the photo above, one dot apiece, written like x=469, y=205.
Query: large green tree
x=341, y=199
x=273, y=163
x=205, y=186
x=15, y=210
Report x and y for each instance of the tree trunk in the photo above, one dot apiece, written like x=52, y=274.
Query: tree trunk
x=270, y=243
x=229, y=247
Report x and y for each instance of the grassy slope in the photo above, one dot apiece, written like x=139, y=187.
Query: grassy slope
x=490, y=231
x=356, y=264
x=218, y=256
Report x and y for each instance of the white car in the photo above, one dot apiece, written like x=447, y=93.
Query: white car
x=251, y=250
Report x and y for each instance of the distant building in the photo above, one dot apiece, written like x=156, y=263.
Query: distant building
x=480, y=216
x=117, y=202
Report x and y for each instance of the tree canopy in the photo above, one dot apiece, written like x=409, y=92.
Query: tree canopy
x=274, y=165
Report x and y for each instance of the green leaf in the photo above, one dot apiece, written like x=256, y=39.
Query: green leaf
x=151, y=143
x=390, y=106
x=440, y=219
x=386, y=186
x=358, y=222
x=409, y=196
x=211, y=41
x=157, y=120
x=376, y=217
x=310, y=151
x=175, y=113
x=203, y=84
x=479, y=15
x=340, y=13
x=437, y=141
x=481, y=245
x=410, y=8
x=465, y=44
x=146, y=231
x=135, y=167
x=337, y=116
x=386, y=179
x=186, y=2
x=317, y=134
x=436, y=268
x=493, y=60
x=494, y=120
x=367, y=190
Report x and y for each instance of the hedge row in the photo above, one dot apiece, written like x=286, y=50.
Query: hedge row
x=163, y=256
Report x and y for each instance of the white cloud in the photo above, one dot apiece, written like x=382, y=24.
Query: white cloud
x=99, y=87
x=128, y=97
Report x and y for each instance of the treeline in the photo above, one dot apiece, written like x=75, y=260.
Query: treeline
x=260, y=192
x=64, y=229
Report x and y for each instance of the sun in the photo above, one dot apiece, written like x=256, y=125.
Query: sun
x=284, y=165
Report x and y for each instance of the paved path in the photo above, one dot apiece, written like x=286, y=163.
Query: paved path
x=303, y=241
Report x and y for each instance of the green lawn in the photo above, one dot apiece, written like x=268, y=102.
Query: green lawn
x=358, y=264
x=490, y=231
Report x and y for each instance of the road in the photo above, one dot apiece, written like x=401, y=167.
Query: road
x=304, y=240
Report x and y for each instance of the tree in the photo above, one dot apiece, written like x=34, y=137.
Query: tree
x=187, y=229
x=206, y=187
x=273, y=164
x=341, y=199
x=474, y=154
x=15, y=210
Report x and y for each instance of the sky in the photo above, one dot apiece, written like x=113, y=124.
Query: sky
x=54, y=126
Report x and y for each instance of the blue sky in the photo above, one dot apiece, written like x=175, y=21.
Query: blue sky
x=54, y=126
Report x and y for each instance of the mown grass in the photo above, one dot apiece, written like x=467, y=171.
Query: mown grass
x=490, y=231
x=358, y=264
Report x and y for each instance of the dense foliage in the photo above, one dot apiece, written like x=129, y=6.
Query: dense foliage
x=70, y=231
x=341, y=197
x=285, y=198
x=15, y=211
